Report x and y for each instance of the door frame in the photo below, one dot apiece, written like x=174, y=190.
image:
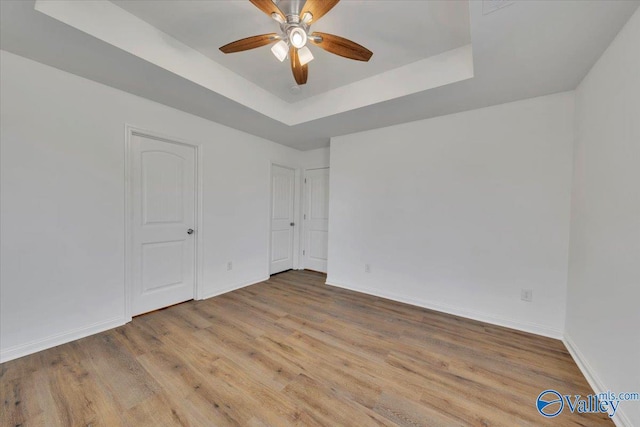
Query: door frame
x=305, y=207
x=296, y=213
x=130, y=132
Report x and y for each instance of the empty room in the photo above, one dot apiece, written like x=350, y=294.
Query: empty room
x=319, y=213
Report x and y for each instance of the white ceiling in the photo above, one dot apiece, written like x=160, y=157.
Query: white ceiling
x=428, y=28
x=528, y=49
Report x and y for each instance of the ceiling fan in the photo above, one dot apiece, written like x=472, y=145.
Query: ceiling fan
x=295, y=17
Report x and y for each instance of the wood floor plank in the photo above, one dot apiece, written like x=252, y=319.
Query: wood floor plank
x=328, y=408
x=158, y=411
x=293, y=351
x=72, y=376
x=192, y=392
x=347, y=373
x=270, y=406
x=272, y=370
x=407, y=412
x=127, y=382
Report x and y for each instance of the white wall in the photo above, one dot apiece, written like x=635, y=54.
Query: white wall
x=603, y=310
x=62, y=187
x=313, y=159
x=459, y=213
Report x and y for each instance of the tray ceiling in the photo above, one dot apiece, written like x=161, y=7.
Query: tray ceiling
x=430, y=58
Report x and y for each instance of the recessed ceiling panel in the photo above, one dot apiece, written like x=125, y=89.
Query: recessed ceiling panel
x=398, y=32
x=528, y=49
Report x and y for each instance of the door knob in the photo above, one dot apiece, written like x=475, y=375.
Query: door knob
x=190, y=231
x=292, y=224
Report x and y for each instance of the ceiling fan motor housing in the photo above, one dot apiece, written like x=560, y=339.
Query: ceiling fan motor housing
x=290, y=33
x=290, y=8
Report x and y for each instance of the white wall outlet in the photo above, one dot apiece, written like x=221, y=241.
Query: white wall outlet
x=526, y=295
x=229, y=266
x=367, y=268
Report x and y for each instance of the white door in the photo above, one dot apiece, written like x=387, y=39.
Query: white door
x=316, y=219
x=282, y=221
x=163, y=188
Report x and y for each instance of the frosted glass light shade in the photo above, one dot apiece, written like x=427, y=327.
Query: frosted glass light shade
x=280, y=50
x=297, y=37
x=305, y=55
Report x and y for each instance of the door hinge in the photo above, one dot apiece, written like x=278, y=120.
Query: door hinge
x=305, y=180
x=305, y=216
x=303, y=252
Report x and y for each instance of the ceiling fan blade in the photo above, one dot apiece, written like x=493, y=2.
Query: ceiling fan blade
x=300, y=72
x=249, y=43
x=318, y=8
x=268, y=7
x=341, y=46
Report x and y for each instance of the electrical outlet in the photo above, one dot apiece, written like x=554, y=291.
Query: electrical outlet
x=367, y=268
x=526, y=295
x=229, y=266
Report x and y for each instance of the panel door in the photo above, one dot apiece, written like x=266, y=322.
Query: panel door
x=316, y=219
x=282, y=219
x=163, y=231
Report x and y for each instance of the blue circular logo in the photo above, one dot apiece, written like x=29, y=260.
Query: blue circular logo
x=549, y=403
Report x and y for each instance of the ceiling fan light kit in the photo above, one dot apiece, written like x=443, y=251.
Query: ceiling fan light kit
x=305, y=55
x=295, y=34
x=280, y=50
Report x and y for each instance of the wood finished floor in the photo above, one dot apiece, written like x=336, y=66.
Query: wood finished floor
x=293, y=351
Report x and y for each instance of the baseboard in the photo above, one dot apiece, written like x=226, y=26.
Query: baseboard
x=58, y=339
x=620, y=419
x=456, y=311
x=233, y=288
x=65, y=337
